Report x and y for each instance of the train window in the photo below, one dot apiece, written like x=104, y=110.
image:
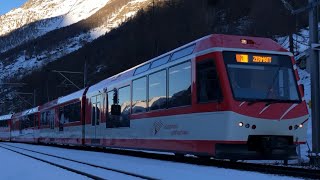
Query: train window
x=124, y=102
x=30, y=120
x=183, y=52
x=109, y=122
x=124, y=99
x=110, y=102
x=4, y=123
x=71, y=113
x=98, y=112
x=208, y=88
x=36, y=121
x=98, y=109
x=47, y=118
x=158, y=90
x=95, y=110
x=180, y=85
x=43, y=119
x=61, y=118
x=142, y=69
x=160, y=61
x=139, y=95
x=50, y=118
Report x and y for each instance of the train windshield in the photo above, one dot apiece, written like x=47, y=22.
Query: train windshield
x=261, y=77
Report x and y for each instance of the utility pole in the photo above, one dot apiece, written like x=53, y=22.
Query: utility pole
x=315, y=92
x=313, y=64
x=85, y=73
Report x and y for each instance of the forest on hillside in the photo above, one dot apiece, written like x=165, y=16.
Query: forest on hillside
x=161, y=27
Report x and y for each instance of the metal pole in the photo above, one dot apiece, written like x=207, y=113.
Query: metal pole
x=314, y=62
x=34, y=98
x=85, y=73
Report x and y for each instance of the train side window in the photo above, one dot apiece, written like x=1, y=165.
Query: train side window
x=160, y=61
x=158, y=90
x=93, y=110
x=124, y=100
x=208, y=86
x=139, y=95
x=180, y=85
x=98, y=107
x=183, y=52
x=42, y=118
x=125, y=103
x=109, y=123
x=50, y=118
x=36, y=120
x=61, y=118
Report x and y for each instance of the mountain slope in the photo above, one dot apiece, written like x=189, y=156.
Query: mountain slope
x=34, y=54
x=37, y=17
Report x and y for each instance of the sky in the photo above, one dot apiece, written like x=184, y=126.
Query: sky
x=7, y=5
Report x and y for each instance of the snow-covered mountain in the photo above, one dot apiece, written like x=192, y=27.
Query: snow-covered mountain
x=44, y=16
x=83, y=20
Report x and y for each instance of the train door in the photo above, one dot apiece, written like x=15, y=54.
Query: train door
x=207, y=81
x=96, y=106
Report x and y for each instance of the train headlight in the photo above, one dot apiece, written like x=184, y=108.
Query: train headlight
x=240, y=124
x=300, y=125
x=243, y=41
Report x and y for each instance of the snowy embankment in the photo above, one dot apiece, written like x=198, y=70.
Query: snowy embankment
x=31, y=169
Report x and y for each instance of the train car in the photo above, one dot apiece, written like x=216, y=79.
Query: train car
x=5, y=121
x=60, y=120
x=225, y=96
x=25, y=126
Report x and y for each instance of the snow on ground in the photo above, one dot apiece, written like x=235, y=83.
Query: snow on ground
x=149, y=167
x=14, y=166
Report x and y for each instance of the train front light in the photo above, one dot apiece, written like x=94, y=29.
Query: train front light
x=300, y=125
x=240, y=124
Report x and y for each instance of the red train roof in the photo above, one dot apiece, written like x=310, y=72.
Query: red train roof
x=232, y=41
x=207, y=42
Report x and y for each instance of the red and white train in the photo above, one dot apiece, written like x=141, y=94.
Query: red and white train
x=230, y=97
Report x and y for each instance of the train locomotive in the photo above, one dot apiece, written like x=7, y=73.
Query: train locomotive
x=222, y=96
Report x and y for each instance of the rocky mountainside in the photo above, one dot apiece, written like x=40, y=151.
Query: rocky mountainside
x=42, y=31
x=37, y=17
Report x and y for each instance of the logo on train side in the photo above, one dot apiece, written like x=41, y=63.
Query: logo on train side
x=157, y=125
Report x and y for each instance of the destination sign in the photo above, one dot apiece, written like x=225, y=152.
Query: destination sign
x=231, y=57
x=245, y=58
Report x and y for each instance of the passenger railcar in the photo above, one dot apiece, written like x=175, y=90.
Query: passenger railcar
x=60, y=120
x=224, y=96
x=5, y=122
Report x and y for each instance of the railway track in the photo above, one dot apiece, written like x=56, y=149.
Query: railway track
x=83, y=168
x=253, y=167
